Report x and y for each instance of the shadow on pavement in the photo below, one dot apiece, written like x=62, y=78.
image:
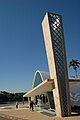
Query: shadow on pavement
x=75, y=111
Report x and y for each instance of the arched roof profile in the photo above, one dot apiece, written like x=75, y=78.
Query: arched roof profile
x=39, y=77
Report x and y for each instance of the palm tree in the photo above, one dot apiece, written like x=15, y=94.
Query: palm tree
x=75, y=64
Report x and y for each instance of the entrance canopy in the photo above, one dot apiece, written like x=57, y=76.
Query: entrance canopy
x=42, y=83
x=47, y=85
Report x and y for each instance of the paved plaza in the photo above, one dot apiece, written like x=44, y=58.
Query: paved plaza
x=23, y=113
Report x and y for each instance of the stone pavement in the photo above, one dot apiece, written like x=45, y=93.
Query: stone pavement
x=23, y=113
x=2, y=118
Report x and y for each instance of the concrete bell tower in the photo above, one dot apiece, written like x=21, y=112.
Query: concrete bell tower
x=56, y=55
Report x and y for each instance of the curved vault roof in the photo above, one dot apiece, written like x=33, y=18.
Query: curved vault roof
x=39, y=77
x=41, y=84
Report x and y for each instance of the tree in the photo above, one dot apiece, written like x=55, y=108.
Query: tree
x=75, y=64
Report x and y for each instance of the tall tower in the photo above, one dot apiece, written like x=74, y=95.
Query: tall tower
x=56, y=55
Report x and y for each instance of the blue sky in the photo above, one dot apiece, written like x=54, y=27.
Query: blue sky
x=22, y=49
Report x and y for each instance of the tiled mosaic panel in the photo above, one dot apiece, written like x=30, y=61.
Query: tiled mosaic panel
x=56, y=29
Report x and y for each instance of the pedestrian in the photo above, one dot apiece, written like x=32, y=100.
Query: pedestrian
x=31, y=105
x=16, y=104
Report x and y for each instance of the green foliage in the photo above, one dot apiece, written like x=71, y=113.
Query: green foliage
x=10, y=97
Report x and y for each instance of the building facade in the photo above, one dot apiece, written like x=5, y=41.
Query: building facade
x=56, y=82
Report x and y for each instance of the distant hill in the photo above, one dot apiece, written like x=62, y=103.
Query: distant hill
x=11, y=97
